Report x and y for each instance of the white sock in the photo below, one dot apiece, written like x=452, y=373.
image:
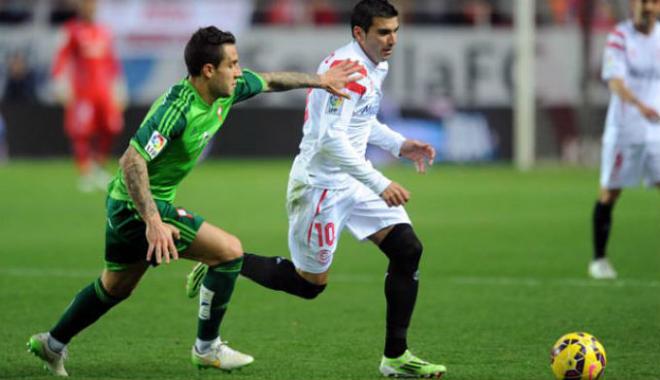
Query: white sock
x=204, y=346
x=55, y=345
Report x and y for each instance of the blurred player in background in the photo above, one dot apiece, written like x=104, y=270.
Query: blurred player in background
x=332, y=186
x=90, y=85
x=631, y=141
x=144, y=227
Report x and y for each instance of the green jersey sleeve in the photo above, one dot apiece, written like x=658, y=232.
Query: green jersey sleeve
x=248, y=85
x=164, y=122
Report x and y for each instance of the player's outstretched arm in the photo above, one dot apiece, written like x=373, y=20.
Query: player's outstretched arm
x=332, y=80
x=159, y=235
x=419, y=152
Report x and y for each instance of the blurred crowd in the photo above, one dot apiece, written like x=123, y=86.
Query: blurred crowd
x=331, y=12
x=18, y=77
x=437, y=12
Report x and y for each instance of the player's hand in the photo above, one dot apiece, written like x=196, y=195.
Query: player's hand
x=419, y=152
x=62, y=92
x=395, y=195
x=649, y=113
x=338, y=76
x=161, y=238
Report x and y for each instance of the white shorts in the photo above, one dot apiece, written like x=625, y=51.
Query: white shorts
x=317, y=216
x=626, y=165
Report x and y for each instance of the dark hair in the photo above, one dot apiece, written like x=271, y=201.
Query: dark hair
x=365, y=11
x=202, y=48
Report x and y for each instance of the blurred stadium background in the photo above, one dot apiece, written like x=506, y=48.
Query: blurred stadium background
x=451, y=81
x=506, y=252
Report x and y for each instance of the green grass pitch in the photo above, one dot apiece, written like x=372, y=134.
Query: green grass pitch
x=502, y=277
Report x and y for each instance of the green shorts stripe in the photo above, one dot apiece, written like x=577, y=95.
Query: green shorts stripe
x=182, y=227
x=231, y=266
x=184, y=234
x=115, y=267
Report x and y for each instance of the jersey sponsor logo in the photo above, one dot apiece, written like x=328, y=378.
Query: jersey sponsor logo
x=645, y=73
x=156, y=144
x=334, y=105
x=368, y=110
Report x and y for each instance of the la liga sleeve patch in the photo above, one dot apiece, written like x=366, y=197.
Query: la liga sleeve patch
x=334, y=105
x=155, y=144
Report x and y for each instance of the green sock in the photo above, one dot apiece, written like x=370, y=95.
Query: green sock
x=89, y=305
x=214, y=296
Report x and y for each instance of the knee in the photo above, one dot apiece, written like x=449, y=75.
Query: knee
x=310, y=291
x=117, y=290
x=609, y=197
x=403, y=248
x=309, y=285
x=407, y=260
x=414, y=248
x=234, y=249
x=231, y=250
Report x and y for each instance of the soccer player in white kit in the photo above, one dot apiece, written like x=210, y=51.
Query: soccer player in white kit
x=631, y=141
x=332, y=186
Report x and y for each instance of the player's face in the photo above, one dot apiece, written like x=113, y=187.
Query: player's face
x=378, y=42
x=87, y=9
x=223, y=78
x=645, y=12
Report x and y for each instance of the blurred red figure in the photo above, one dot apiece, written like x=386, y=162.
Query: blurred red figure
x=90, y=86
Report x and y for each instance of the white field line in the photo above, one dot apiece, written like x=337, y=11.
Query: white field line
x=572, y=282
x=373, y=278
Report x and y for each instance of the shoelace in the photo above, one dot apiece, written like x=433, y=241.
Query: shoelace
x=217, y=347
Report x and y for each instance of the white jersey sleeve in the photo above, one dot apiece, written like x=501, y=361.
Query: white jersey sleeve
x=336, y=146
x=614, y=56
x=384, y=137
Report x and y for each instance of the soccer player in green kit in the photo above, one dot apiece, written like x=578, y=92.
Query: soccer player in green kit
x=144, y=228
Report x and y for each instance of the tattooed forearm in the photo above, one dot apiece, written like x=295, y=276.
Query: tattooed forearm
x=136, y=178
x=288, y=81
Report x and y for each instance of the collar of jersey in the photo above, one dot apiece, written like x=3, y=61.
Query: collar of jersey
x=358, y=50
x=198, y=97
x=656, y=29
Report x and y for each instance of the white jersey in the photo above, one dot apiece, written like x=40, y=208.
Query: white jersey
x=633, y=57
x=337, y=130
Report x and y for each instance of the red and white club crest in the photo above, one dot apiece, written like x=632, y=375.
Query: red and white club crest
x=324, y=256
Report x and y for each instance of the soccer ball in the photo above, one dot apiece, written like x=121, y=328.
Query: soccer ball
x=578, y=356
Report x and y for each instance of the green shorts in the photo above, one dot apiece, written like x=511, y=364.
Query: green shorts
x=125, y=240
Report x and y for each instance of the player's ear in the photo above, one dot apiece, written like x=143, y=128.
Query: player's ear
x=207, y=70
x=359, y=34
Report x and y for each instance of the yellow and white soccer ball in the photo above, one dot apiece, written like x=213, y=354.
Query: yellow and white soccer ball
x=578, y=356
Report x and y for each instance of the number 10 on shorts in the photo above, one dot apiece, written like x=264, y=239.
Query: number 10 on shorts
x=327, y=231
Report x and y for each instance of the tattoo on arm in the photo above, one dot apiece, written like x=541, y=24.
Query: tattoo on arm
x=136, y=178
x=288, y=81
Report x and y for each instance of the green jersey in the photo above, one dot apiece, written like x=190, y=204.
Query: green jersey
x=175, y=131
